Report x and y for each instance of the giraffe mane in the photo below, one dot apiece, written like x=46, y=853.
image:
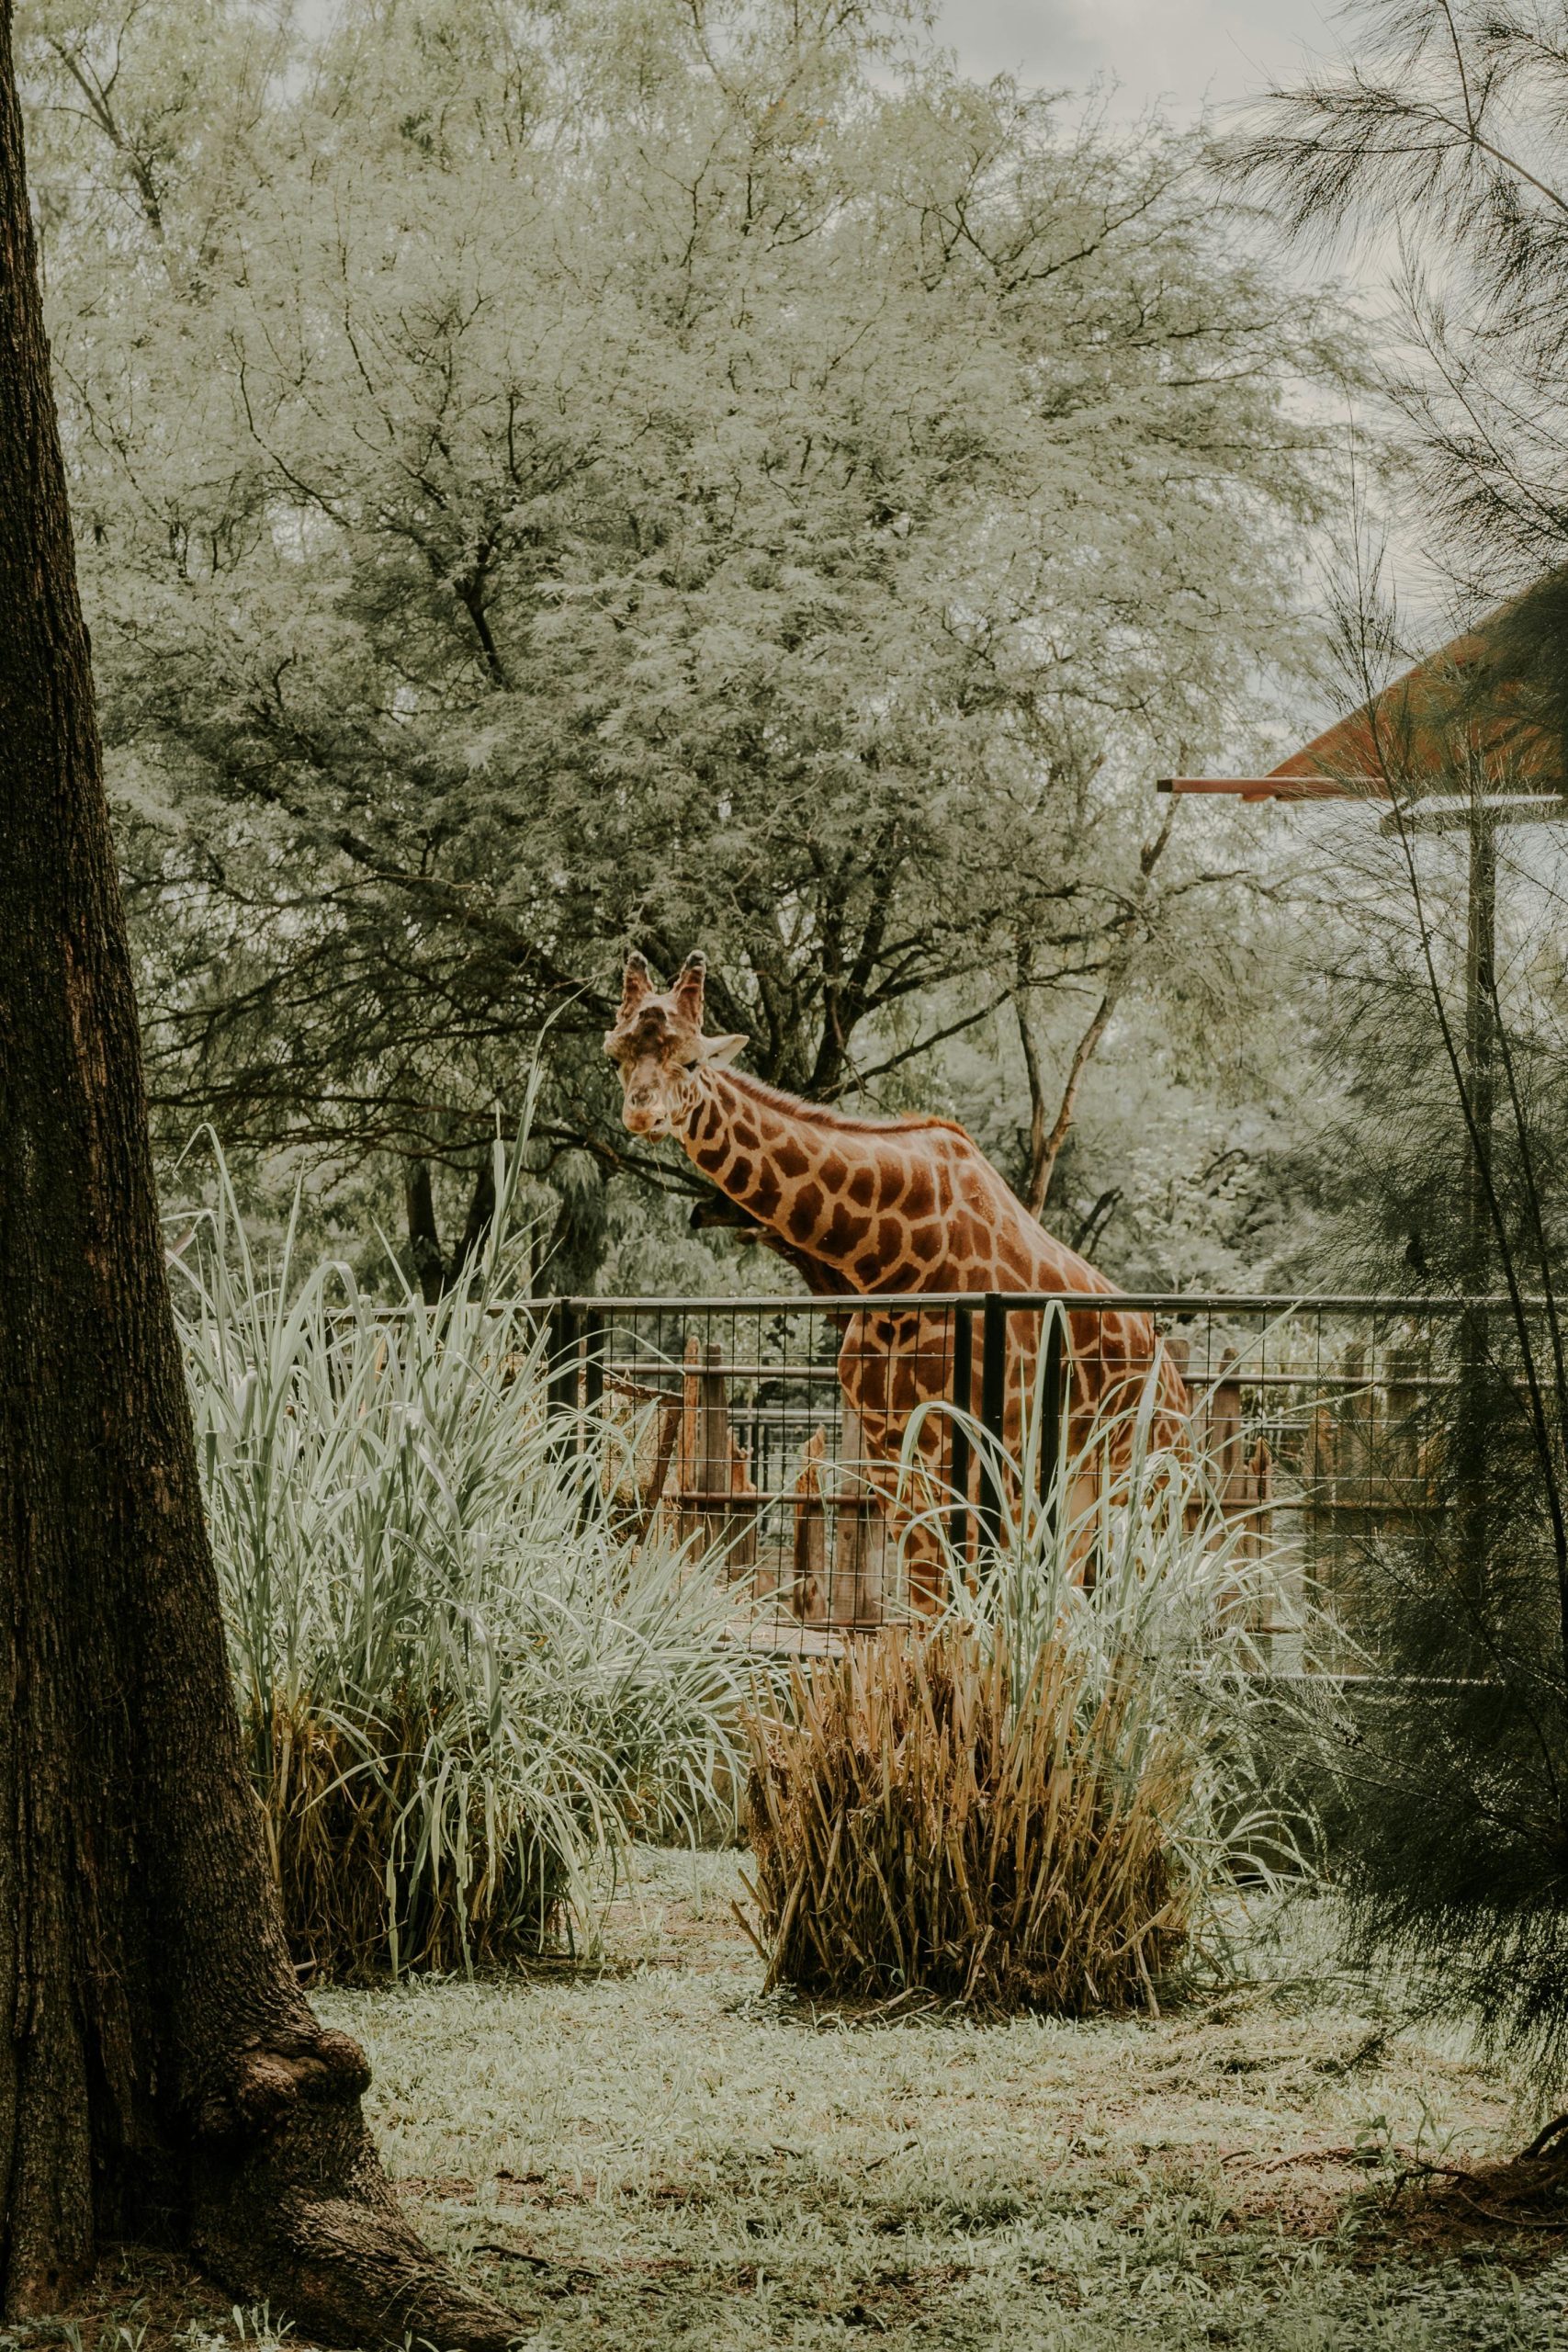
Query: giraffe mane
x=820, y=1114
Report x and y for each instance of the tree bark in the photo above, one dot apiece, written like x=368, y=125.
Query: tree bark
x=425, y=1236
x=161, y=2074
x=1047, y=1137
x=481, y=1215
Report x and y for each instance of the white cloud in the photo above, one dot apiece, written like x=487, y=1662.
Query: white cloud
x=1180, y=52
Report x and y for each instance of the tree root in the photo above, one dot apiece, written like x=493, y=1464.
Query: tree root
x=291, y=2206
x=1556, y=2130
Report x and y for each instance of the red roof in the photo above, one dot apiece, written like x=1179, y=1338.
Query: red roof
x=1422, y=731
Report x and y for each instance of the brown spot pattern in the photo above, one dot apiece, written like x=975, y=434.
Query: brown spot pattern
x=806, y=1211
x=845, y=1232
x=910, y=1210
x=920, y=1198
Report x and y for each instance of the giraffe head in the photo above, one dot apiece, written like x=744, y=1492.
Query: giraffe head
x=658, y=1044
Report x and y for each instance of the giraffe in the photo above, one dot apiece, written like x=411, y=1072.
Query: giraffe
x=893, y=1205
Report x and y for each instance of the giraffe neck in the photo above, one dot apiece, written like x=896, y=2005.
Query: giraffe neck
x=860, y=1196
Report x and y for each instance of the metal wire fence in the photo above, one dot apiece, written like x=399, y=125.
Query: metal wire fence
x=758, y=1431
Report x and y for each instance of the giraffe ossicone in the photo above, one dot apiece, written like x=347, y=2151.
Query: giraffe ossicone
x=865, y=1205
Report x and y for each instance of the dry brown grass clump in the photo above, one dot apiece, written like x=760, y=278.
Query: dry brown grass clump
x=919, y=1823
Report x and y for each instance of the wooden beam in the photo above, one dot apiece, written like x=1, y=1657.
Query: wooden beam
x=1280, y=787
x=1457, y=814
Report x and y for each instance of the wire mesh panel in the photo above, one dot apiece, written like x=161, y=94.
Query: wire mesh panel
x=831, y=1460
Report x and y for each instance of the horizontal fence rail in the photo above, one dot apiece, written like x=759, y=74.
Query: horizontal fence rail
x=756, y=1432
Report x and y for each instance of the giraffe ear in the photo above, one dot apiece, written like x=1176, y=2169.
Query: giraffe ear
x=636, y=983
x=717, y=1051
x=688, y=989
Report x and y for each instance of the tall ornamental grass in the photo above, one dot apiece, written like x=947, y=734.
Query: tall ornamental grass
x=1051, y=1798
x=460, y=1687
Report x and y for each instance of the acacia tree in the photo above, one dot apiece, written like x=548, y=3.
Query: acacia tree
x=161, y=2074
x=681, y=479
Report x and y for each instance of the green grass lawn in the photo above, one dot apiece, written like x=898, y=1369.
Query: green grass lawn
x=670, y=2159
x=654, y=2155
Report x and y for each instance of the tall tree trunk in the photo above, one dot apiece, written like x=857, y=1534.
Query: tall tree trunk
x=425, y=1236
x=161, y=2074
x=481, y=1215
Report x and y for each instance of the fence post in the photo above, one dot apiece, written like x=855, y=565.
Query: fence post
x=993, y=1413
x=962, y=1405
x=561, y=1390
x=1052, y=1416
x=592, y=1361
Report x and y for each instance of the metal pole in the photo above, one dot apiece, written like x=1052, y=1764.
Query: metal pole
x=993, y=1413
x=592, y=1367
x=563, y=1370
x=1480, y=1033
x=1052, y=1416
x=962, y=1390
x=1480, y=1085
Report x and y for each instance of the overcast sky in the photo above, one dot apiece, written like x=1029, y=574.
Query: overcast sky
x=1177, y=51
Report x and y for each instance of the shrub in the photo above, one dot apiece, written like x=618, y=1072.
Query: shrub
x=1050, y=1798
x=1445, y=1766
x=460, y=1686
x=916, y=1825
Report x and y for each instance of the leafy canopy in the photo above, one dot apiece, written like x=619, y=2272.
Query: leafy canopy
x=563, y=478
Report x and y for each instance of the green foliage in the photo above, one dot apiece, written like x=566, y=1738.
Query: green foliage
x=1442, y=126
x=559, y=477
x=1445, y=1770
x=461, y=1684
x=1440, y=130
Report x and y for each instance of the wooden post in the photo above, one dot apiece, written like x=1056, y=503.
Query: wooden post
x=712, y=1444
x=1223, y=1434
x=1480, y=1035
x=861, y=1548
x=592, y=1361
x=688, y=1518
x=664, y=1450
x=808, y=1594
x=719, y=1500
